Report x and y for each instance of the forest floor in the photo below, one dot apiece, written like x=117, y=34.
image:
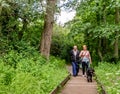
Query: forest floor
x=79, y=85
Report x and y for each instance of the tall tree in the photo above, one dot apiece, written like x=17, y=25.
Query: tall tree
x=48, y=28
x=101, y=21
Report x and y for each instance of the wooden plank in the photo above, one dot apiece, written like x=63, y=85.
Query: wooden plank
x=61, y=85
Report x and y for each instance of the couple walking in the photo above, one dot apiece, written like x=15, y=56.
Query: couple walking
x=82, y=57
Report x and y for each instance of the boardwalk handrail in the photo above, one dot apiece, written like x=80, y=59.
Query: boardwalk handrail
x=54, y=91
x=103, y=91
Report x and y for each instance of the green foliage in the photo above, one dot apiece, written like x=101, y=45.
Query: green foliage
x=20, y=20
x=109, y=76
x=29, y=73
x=96, y=20
x=60, y=44
x=63, y=41
x=33, y=33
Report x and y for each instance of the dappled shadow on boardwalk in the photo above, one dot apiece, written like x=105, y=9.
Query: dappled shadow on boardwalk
x=79, y=85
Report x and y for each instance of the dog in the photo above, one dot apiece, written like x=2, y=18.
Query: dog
x=90, y=73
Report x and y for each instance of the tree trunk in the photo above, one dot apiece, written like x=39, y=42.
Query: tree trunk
x=103, y=39
x=116, y=48
x=24, y=27
x=99, y=50
x=104, y=46
x=99, y=40
x=48, y=28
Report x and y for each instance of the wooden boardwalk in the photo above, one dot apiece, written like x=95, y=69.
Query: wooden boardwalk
x=79, y=85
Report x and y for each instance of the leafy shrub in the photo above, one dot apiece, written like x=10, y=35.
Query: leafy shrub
x=32, y=74
x=109, y=75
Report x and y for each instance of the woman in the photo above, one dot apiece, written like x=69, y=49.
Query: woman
x=86, y=59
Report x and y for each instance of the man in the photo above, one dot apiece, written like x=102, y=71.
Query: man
x=75, y=60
